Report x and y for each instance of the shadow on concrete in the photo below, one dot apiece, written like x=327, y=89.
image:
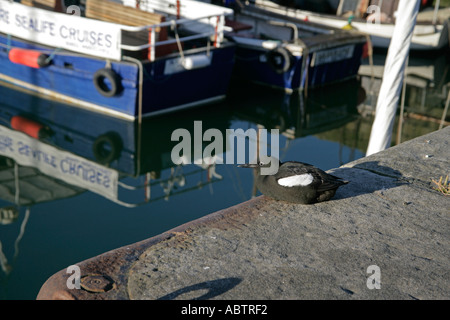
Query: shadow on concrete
x=370, y=177
x=375, y=167
x=214, y=287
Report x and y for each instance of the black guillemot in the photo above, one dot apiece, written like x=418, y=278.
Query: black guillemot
x=296, y=182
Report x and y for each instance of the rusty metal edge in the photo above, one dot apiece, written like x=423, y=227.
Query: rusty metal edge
x=115, y=264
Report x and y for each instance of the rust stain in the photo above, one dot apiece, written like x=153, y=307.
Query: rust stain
x=117, y=263
x=97, y=283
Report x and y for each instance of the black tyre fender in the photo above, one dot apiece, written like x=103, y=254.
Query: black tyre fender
x=107, y=147
x=280, y=59
x=100, y=77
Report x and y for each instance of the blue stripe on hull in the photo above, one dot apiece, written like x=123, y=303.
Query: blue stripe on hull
x=72, y=75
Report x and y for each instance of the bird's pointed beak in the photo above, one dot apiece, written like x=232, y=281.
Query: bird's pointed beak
x=248, y=165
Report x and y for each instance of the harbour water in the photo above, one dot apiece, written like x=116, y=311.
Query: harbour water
x=54, y=224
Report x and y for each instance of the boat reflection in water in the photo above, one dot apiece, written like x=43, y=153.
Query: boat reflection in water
x=95, y=152
x=76, y=152
x=423, y=98
x=92, y=151
x=303, y=114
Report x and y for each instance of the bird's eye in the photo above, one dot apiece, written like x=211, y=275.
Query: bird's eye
x=261, y=164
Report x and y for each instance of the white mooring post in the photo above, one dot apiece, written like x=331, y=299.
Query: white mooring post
x=380, y=137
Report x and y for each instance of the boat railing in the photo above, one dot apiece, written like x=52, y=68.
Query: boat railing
x=171, y=186
x=307, y=28
x=290, y=25
x=196, y=19
x=215, y=34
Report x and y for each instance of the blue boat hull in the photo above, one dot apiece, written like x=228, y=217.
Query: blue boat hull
x=163, y=91
x=250, y=66
x=70, y=76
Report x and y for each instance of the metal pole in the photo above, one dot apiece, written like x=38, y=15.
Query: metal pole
x=444, y=114
x=436, y=10
x=402, y=107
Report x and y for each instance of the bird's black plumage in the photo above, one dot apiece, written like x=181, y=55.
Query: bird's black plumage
x=313, y=184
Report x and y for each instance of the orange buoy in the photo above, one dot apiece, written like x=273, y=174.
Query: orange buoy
x=30, y=127
x=30, y=58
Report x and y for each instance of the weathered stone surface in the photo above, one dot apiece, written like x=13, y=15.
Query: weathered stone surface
x=388, y=216
x=422, y=159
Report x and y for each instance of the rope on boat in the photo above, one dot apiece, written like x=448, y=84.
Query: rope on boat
x=52, y=55
x=177, y=38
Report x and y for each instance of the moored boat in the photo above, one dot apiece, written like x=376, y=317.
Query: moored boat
x=124, y=58
x=281, y=52
x=375, y=18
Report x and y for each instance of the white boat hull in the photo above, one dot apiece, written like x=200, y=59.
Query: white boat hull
x=426, y=37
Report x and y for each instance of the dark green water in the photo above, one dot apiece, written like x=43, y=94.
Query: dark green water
x=324, y=129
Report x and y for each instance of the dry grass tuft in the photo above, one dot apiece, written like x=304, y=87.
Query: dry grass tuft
x=443, y=185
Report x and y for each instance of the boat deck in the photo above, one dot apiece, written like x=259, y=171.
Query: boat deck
x=426, y=16
x=314, y=36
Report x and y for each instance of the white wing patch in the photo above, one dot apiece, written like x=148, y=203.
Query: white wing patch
x=297, y=180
